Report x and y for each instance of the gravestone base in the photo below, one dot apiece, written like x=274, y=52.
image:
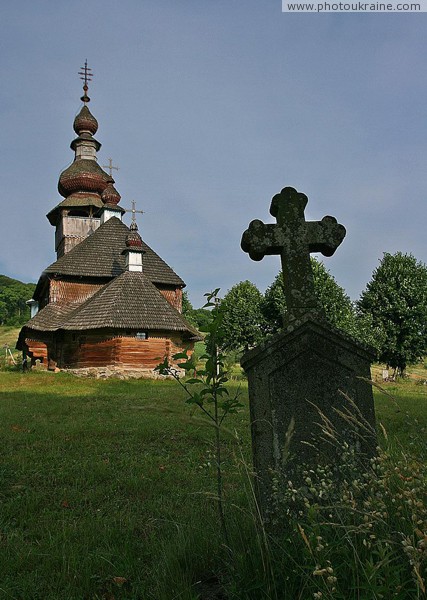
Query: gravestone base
x=309, y=394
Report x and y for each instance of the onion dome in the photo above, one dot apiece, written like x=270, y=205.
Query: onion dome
x=110, y=195
x=83, y=176
x=133, y=239
x=85, y=122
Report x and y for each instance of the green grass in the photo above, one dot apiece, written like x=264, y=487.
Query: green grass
x=93, y=475
x=107, y=488
x=8, y=337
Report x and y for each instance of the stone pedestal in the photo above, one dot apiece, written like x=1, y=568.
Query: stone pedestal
x=297, y=387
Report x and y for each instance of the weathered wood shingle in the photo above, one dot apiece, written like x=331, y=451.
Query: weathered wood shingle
x=51, y=317
x=130, y=301
x=100, y=255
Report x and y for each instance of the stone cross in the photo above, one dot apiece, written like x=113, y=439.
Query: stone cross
x=294, y=239
x=310, y=379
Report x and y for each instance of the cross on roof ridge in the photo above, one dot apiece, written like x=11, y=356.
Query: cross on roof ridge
x=110, y=167
x=133, y=211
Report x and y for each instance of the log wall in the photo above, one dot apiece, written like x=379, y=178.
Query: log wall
x=36, y=350
x=128, y=352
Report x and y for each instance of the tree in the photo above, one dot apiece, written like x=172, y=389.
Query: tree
x=187, y=307
x=396, y=301
x=203, y=318
x=242, y=320
x=13, y=296
x=198, y=317
x=339, y=310
x=337, y=305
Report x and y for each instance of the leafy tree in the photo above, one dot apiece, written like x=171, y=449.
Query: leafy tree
x=198, y=317
x=335, y=302
x=396, y=301
x=243, y=323
x=13, y=297
x=202, y=318
x=187, y=307
x=339, y=309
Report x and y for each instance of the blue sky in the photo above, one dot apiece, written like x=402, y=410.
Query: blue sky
x=209, y=108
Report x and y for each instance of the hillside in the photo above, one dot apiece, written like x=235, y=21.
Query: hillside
x=13, y=296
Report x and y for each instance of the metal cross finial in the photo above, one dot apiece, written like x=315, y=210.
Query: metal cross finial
x=133, y=211
x=110, y=166
x=294, y=238
x=86, y=76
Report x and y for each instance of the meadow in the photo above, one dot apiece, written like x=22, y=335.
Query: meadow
x=107, y=491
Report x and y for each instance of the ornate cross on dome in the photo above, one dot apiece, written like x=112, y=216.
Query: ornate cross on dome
x=86, y=76
x=294, y=239
x=133, y=211
x=110, y=166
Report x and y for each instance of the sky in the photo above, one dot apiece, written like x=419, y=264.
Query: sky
x=209, y=108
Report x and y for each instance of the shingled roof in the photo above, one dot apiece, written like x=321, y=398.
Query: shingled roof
x=130, y=301
x=51, y=317
x=100, y=255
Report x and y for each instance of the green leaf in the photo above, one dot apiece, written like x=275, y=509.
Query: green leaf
x=195, y=399
x=222, y=390
x=187, y=365
x=162, y=367
x=180, y=355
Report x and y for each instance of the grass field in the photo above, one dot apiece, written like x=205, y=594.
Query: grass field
x=8, y=338
x=107, y=491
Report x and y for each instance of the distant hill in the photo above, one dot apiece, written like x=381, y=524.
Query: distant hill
x=13, y=296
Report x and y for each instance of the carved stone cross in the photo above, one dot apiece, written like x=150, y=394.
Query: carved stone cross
x=294, y=239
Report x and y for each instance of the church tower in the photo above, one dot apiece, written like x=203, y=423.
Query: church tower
x=108, y=303
x=86, y=188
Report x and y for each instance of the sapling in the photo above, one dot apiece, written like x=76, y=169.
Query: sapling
x=209, y=393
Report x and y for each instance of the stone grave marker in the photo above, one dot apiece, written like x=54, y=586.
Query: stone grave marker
x=311, y=379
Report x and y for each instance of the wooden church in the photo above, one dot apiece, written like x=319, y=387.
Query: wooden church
x=108, y=301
